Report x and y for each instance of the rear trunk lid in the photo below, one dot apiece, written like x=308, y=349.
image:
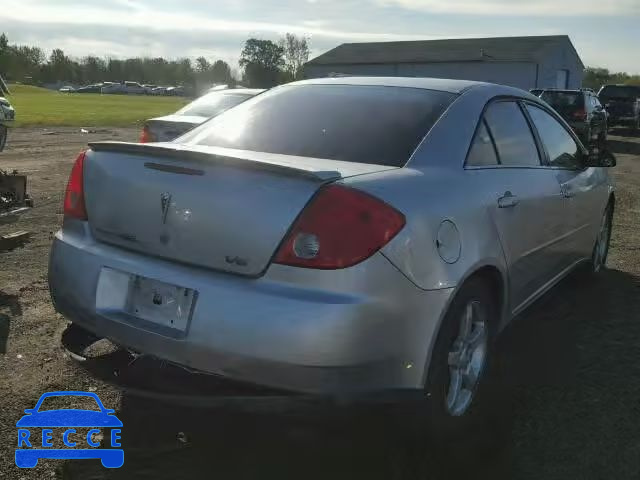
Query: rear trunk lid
x=208, y=206
x=171, y=127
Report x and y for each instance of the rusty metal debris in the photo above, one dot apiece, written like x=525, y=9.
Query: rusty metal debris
x=14, y=199
x=13, y=240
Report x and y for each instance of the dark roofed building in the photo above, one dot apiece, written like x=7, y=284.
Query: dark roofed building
x=524, y=62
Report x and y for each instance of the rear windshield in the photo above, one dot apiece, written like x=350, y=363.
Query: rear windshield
x=563, y=100
x=212, y=104
x=619, y=91
x=355, y=123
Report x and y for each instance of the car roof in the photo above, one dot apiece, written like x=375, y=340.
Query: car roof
x=556, y=90
x=442, y=84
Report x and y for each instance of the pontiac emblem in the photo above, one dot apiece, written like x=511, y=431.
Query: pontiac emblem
x=165, y=202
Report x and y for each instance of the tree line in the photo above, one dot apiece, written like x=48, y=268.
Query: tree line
x=596, y=77
x=264, y=64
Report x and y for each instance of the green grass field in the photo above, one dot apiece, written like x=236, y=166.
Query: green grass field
x=39, y=106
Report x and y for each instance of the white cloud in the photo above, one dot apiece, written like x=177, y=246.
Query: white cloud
x=150, y=18
x=520, y=7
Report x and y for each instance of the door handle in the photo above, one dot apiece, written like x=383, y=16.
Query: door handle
x=508, y=200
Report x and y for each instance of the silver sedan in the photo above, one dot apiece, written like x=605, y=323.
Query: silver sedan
x=342, y=235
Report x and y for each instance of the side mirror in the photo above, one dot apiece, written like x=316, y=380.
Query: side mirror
x=601, y=158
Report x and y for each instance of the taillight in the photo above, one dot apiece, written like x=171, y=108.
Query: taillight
x=339, y=228
x=147, y=136
x=580, y=114
x=74, y=195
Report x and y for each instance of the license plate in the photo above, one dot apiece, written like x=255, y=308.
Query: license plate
x=159, y=302
x=145, y=298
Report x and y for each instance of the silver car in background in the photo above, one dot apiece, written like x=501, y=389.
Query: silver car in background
x=169, y=127
x=335, y=236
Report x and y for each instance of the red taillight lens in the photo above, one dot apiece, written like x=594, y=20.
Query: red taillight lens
x=580, y=114
x=74, y=195
x=146, y=136
x=339, y=228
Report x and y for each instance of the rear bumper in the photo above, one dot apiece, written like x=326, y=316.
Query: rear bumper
x=366, y=328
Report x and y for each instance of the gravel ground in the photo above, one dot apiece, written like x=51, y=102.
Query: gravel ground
x=569, y=398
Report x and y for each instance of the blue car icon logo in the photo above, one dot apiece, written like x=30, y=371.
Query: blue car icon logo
x=32, y=446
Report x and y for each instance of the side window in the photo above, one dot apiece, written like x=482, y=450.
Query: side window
x=562, y=149
x=482, y=151
x=512, y=135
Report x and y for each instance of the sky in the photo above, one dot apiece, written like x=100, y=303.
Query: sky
x=606, y=33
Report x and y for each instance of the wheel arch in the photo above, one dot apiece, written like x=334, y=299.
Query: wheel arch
x=497, y=278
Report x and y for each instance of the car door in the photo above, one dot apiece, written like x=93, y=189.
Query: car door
x=585, y=190
x=524, y=198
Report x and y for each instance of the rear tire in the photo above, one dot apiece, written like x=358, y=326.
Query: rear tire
x=462, y=360
x=602, y=139
x=601, y=248
x=587, y=139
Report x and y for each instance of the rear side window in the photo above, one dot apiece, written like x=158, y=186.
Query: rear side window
x=213, y=104
x=512, y=135
x=562, y=148
x=354, y=123
x=482, y=152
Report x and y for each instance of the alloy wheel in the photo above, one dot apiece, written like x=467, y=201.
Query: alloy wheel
x=467, y=358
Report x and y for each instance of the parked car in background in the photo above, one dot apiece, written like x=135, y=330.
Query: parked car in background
x=95, y=88
x=112, y=88
x=148, y=88
x=582, y=110
x=67, y=89
x=164, y=129
x=175, y=91
x=134, y=88
x=338, y=236
x=159, y=90
x=622, y=103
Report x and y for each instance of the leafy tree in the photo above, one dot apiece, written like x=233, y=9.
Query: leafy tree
x=296, y=54
x=596, y=77
x=202, y=65
x=60, y=66
x=94, y=69
x=221, y=72
x=262, y=61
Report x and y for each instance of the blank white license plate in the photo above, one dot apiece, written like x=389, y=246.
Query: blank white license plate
x=145, y=298
x=159, y=302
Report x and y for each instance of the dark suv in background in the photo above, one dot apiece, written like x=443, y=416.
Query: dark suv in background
x=582, y=110
x=622, y=103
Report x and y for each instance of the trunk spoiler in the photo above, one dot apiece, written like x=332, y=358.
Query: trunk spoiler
x=280, y=164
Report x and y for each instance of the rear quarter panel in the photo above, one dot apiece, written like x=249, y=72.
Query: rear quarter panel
x=434, y=187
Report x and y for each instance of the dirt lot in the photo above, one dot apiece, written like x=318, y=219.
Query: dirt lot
x=570, y=369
